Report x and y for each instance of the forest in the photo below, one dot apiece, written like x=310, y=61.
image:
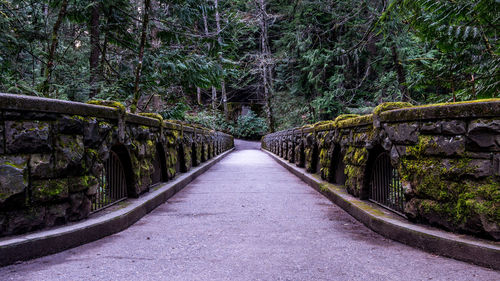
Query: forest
x=293, y=62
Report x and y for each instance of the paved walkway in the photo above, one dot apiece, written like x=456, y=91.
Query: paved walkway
x=247, y=218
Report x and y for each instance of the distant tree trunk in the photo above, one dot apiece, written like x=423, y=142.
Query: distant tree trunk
x=138, y=70
x=473, y=81
x=53, y=46
x=453, y=89
x=198, y=95
x=104, y=47
x=214, y=91
x=104, y=50
x=401, y=75
x=45, y=47
x=219, y=39
x=265, y=62
x=94, y=49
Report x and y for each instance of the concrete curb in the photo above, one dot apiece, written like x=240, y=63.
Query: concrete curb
x=33, y=245
x=461, y=247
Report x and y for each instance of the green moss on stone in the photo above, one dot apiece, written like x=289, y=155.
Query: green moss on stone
x=470, y=109
x=345, y=117
x=357, y=121
x=47, y=190
x=390, y=106
x=152, y=115
x=447, y=190
x=419, y=151
x=109, y=103
x=81, y=183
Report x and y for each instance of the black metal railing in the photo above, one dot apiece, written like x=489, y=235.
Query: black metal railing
x=112, y=185
x=385, y=186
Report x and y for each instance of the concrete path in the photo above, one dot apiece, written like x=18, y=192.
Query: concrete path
x=247, y=218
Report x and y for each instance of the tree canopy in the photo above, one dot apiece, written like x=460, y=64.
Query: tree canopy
x=302, y=60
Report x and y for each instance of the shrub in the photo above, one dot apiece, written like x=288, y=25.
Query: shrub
x=250, y=126
x=211, y=120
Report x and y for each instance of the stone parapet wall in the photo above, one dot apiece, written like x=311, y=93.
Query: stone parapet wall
x=52, y=156
x=447, y=157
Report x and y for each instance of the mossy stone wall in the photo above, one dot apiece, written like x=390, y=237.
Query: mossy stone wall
x=52, y=156
x=447, y=156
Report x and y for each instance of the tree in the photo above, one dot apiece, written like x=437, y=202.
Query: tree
x=94, y=47
x=465, y=34
x=265, y=62
x=45, y=87
x=138, y=69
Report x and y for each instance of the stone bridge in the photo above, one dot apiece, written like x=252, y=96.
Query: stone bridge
x=436, y=164
x=60, y=161
x=247, y=217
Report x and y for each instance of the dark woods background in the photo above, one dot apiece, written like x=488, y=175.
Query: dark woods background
x=251, y=66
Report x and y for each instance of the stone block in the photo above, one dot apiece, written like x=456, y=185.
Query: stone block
x=69, y=153
x=484, y=134
x=396, y=152
x=70, y=125
x=27, y=137
x=476, y=168
x=431, y=128
x=21, y=221
x=442, y=145
x=94, y=132
x=14, y=179
x=402, y=133
x=30, y=115
x=56, y=214
x=83, y=183
x=140, y=132
x=453, y=127
x=49, y=190
x=80, y=206
x=42, y=166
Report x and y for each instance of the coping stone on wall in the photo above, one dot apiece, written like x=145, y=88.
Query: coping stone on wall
x=29, y=103
x=356, y=121
x=474, y=109
x=37, y=104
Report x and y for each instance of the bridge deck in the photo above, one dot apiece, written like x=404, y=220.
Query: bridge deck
x=247, y=218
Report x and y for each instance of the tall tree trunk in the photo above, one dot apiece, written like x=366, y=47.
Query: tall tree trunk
x=94, y=49
x=265, y=61
x=104, y=46
x=219, y=39
x=53, y=46
x=214, y=91
x=104, y=50
x=45, y=47
x=214, y=98
x=473, y=81
x=401, y=75
x=138, y=70
x=198, y=95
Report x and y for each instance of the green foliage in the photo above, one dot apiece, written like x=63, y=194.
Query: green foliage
x=211, y=120
x=250, y=126
x=328, y=57
x=464, y=33
x=175, y=112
